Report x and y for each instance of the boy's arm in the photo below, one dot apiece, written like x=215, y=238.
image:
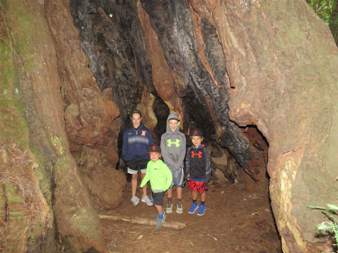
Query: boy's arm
x=182, y=151
x=124, y=145
x=162, y=145
x=164, y=151
x=169, y=176
x=187, y=164
x=207, y=164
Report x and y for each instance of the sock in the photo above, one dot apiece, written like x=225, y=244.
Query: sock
x=194, y=201
x=179, y=201
x=202, y=202
x=170, y=200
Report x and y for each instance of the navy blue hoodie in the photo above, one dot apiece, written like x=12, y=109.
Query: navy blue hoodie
x=135, y=145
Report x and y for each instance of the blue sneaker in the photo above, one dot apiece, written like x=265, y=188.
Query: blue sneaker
x=160, y=219
x=201, y=210
x=193, y=208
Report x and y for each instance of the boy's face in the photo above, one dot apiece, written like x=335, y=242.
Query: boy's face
x=136, y=120
x=173, y=124
x=196, y=140
x=155, y=156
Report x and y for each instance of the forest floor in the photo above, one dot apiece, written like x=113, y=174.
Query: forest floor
x=236, y=221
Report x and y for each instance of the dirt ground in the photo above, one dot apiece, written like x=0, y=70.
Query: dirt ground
x=235, y=221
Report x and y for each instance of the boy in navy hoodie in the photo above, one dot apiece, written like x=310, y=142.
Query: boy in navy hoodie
x=198, y=170
x=135, y=147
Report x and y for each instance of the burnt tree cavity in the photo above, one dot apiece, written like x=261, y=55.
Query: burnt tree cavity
x=112, y=38
x=174, y=26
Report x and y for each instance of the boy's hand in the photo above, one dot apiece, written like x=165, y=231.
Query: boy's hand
x=122, y=164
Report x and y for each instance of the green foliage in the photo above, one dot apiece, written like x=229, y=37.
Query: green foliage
x=328, y=228
x=323, y=8
x=327, y=10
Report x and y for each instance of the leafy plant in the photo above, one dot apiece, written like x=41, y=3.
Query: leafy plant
x=328, y=228
x=323, y=8
x=327, y=10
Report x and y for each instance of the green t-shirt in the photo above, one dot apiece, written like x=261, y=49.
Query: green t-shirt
x=159, y=175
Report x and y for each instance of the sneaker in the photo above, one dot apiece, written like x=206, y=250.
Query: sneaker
x=147, y=201
x=135, y=200
x=169, y=208
x=160, y=219
x=193, y=208
x=201, y=210
x=179, y=208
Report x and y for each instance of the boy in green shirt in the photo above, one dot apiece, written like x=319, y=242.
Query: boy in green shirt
x=160, y=178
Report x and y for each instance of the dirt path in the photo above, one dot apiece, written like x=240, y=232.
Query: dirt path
x=235, y=221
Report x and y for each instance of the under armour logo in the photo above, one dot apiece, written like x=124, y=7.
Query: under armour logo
x=198, y=154
x=176, y=142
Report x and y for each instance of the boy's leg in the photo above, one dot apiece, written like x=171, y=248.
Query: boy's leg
x=194, y=195
x=145, y=198
x=202, y=208
x=178, y=177
x=179, y=206
x=169, y=207
x=144, y=189
x=133, y=184
x=179, y=193
x=134, y=199
x=194, y=205
x=203, y=196
x=159, y=209
x=170, y=194
x=160, y=217
x=158, y=201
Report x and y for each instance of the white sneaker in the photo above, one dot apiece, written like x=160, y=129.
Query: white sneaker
x=146, y=199
x=169, y=208
x=135, y=200
x=179, y=208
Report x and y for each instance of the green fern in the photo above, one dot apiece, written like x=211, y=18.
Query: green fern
x=328, y=228
x=323, y=8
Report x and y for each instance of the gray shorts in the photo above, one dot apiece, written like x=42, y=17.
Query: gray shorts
x=133, y=172
x=178, y=177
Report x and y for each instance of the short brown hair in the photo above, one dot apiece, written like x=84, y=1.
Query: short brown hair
x=154, y=148
x=136, y=112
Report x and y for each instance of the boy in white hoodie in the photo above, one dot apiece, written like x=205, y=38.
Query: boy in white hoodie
x=173, y=147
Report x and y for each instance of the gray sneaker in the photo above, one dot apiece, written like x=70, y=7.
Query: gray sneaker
x=135, y=200
x=179, y=208
x=147, y=201
x=169, y=208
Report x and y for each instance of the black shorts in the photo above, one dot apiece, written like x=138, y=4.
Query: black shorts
x=137, y=165
x=158, y=198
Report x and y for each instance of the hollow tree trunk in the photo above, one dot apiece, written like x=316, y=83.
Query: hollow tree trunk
x=268, y=63
x=282, y=62
x=44, y=204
